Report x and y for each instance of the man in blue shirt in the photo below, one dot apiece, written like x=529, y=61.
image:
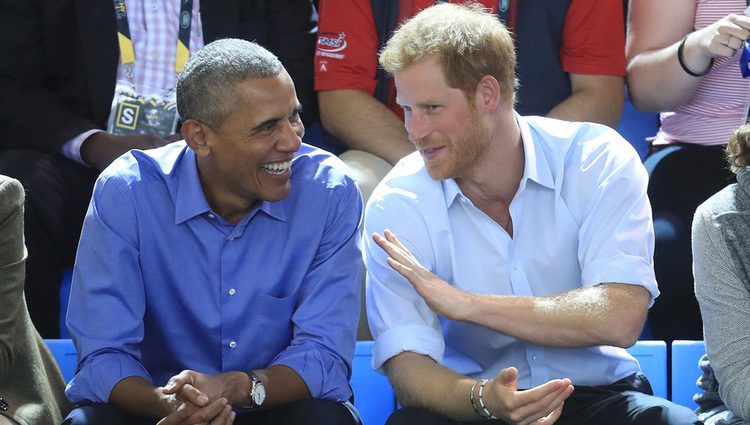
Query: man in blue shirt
x=220, y=274
x=519, y=257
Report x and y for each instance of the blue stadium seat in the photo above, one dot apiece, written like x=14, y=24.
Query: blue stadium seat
x=652, y=355
x=685, y=371
x=64, y=298
x=373, y=395
x=65, y=355
x=635, y=126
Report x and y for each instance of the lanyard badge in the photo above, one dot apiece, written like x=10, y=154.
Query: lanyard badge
x=140, y=109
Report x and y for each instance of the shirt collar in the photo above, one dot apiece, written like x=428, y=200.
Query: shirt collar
x=190, y=201
x=536, y=166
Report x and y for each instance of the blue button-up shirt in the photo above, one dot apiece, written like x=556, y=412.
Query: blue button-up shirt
x=581, y=217
x=162, y=283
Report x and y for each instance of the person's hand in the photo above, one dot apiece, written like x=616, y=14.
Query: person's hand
x=196, y=398
x=538, y=405
x=186, y=412
x=443, y=298
x=724, y=37
x=100, y=149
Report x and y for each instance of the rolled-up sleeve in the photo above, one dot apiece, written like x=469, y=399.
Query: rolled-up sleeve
x=105, y=316
x=325, y=321
x=400, y=320
x=616, y=236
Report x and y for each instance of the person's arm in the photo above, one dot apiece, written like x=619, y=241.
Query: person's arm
x=721, y=287
x=381, y=134
x=420, y=382
x=592, y=53
x=656, y=81
x=345, y=77
x=594, y=98
x=101, y=148
x=137, y=396
x=282, y=385
x=325, y=319
x=29, y=108
x=12, y=267
x=606, y=314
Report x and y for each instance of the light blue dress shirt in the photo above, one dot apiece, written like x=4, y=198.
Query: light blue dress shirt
x=162, y=283
x=580, y=218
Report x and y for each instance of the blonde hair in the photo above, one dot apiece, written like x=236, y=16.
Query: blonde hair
x=738, y=149
x=468, y=40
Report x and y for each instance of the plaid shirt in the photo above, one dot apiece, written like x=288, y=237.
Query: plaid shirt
x=153, y=29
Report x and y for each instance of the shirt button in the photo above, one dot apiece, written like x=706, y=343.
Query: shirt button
x=230, y=239
x=232, y=291
x=232, y=344
x=211, y=216
x=533, y=357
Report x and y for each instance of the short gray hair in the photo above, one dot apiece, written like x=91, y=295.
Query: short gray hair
x=205, y=87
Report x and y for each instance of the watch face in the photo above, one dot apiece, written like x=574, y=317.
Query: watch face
x=259, y=394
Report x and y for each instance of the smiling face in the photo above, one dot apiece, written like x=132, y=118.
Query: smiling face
x=441, y=122
x=249, y=156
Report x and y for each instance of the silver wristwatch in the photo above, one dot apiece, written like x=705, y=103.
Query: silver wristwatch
x=257, y=391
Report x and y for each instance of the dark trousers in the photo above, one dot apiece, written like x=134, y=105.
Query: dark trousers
x=302, y=412
x=681, y=178
x=57, y=196
x=626, y=402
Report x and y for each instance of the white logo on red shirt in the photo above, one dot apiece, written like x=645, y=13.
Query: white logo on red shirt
x=329, y=44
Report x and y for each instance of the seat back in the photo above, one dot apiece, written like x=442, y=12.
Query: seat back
x=65, y=354
x=652, y=355
x=685, y=371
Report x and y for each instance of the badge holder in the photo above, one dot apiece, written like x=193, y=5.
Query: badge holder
x=140, y=110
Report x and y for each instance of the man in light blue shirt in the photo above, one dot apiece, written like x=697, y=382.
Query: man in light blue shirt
x=510, y=263
x=220, y=274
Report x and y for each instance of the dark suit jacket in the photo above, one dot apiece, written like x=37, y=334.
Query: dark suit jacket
x=30, y=382
x=58, y=60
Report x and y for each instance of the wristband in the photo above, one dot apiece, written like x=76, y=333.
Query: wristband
x=681, y=60
x=485, y=412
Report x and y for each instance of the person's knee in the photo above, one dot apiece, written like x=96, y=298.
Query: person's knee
x=666, y=413
x=102, y=414
x=313, y=412
x=417, y=416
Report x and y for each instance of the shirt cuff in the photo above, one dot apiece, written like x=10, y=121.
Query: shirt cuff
x=72, y=149
x=627, y=269
x=420, y=339
x=326, y=376
x=94, y=382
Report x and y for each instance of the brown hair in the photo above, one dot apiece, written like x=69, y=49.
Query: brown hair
x=469, y=41
x=738, y=148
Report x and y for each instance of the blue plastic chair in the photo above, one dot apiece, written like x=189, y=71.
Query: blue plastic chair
x=373, y=395
x=65, y=355
x=685, y=371
x=636, y=126
x=652, y=355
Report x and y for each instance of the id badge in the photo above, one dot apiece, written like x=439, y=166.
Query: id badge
x=141, y=110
